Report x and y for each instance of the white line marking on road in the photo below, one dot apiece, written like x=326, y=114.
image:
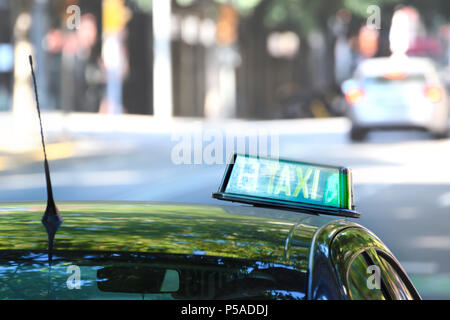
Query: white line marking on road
x=61, y=179
x=444, y=200
x=419, y=267
x=431, y=242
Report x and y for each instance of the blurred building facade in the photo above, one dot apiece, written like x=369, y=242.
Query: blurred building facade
x=225, y=62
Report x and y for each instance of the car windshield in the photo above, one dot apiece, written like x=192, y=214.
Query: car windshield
x=401, y=88
x=118, y=275
x=401, y=80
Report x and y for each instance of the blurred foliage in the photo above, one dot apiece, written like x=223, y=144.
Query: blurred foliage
x=245, y=7
x=143, y=5
x=310, y=15
x=306, y=15
x=359, y=7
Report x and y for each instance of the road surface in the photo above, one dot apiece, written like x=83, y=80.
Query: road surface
x=402, y=179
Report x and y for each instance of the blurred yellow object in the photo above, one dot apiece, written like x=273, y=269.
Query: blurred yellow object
x=56, y=151
x=318, y=109
x=227, y=24
x=433, y=94
x=115, y=15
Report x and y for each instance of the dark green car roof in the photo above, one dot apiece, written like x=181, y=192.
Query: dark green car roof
x=227, y=231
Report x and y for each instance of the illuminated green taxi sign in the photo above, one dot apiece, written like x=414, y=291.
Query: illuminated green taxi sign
x=288, y=184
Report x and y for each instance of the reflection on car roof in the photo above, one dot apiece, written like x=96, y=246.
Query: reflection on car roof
x=228, y=231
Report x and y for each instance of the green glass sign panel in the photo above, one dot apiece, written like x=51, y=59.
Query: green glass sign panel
x=286, y=181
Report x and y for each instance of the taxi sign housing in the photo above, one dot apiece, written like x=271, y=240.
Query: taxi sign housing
x=288, y=184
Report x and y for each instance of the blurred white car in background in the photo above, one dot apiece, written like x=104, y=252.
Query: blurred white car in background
x=396, y=93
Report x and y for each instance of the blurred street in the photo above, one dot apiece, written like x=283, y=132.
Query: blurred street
x=147, y=100
x=401, y=189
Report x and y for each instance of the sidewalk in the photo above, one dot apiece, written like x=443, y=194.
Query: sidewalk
x=89, y=134
x=59, y=127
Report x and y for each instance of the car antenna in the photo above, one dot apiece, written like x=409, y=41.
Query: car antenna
x=51, y=218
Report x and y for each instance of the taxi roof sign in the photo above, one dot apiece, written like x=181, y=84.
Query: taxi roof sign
x=288, y=184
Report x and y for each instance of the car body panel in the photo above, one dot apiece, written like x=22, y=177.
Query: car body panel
x=227, y=231
x=254, y=235
x=353, y=241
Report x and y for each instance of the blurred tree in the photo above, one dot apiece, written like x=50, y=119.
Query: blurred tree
x=143, y=5
x=315, y=24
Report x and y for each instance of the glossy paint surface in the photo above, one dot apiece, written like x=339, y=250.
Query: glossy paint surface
x=225, y=231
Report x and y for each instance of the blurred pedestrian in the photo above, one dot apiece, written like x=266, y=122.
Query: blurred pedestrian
x=114, y=53
x=80, y=71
